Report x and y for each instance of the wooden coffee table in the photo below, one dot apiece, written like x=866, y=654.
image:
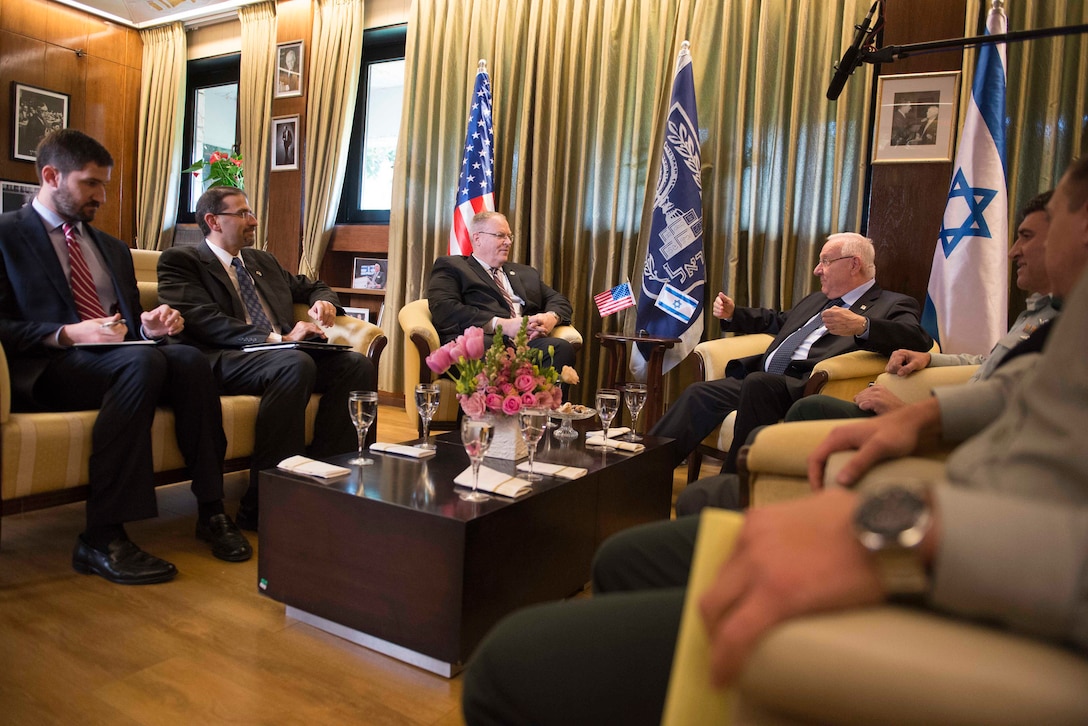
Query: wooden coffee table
x=391, y=558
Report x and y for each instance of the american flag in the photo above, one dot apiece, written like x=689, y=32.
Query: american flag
x=614, y=300
x=476, y=186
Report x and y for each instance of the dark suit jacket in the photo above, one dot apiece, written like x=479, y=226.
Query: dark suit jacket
x=893, y=324
x=192, y=280
x=36, y=298
x=461, y=294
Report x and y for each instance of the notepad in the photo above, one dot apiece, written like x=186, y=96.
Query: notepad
x=312, y=467
x=629, y=446
x=495, y=482
x=402, y=450
x=296, y=345
x=556, y=470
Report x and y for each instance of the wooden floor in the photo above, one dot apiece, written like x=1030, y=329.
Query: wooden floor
x=204, y=649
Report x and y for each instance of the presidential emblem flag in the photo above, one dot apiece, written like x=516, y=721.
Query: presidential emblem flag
x=476, y=185
x=614, y=300
x=670, y=304
x=966, y=307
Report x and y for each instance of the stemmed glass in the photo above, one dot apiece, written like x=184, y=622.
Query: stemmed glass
x=634, y=395
x=363, y=406
x=532, y=421
x=476, y=436
x=427, y=400
x=608, y=405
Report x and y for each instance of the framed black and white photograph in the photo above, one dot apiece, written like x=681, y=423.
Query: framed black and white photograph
x=916, y=117
x=16, y=194
x=35, y=113
x=288, y=70
x=285, y=143
x=369, y=273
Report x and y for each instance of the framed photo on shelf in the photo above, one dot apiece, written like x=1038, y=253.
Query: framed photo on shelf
x=368, y=273
x=35, y=112
x=916, y=117
x=288, y=70
x=16, y=194
x=285, y=143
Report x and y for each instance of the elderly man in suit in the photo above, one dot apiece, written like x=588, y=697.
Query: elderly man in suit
x=486, y=291
x=233, y=296
x=71, y=325
x=851, y=312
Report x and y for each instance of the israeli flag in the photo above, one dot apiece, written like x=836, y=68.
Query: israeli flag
x=966, y=307
x=670, y=304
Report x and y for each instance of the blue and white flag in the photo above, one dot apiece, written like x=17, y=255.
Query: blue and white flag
x=967, y=301
x=476, y=185
x=670, y=304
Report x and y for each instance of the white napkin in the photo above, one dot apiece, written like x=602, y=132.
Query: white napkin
x=311, y=467
x=558, y=470
x=631, y=446
x=495, y=482
x=402, y=450
x=613, y=432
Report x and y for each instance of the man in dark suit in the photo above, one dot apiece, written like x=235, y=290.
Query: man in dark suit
x=64, y=285
x=233, y=296
x=851, y=312
x=486, y=291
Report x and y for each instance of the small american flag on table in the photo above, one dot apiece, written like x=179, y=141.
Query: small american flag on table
x=614, y=300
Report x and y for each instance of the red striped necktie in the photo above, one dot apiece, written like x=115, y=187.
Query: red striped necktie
x=496, y=273
x=83, y=289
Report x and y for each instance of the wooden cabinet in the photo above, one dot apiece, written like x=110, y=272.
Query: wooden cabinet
x=337, y=268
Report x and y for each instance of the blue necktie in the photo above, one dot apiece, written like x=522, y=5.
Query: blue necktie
x=783, y=355
x=249, y=296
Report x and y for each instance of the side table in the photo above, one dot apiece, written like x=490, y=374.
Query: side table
x=616, y=371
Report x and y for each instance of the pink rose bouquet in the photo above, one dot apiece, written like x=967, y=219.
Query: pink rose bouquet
x=499, y=379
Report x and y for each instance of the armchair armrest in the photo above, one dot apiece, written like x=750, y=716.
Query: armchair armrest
x=711, y=356
x=568, y=333
x=844, y=375
x=365, y=338
x=918, y=385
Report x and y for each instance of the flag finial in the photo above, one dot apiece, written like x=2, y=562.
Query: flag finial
x=482, y=67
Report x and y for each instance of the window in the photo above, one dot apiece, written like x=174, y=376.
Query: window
x=211, y=120
x=368, y=183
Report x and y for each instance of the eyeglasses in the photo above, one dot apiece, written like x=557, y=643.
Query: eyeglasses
x=241, y=214
x=827, y=263
x=509, y=237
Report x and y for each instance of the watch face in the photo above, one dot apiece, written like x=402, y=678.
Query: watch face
x=882, y=518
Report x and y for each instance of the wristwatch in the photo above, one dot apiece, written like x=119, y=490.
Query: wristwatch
x=891, y=523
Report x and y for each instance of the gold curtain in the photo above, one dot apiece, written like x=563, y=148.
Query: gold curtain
x=255, y=96
x=158, y=166
x=336, y=51
x=580, y=91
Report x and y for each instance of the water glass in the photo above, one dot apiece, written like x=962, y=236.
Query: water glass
x=427, y=399
x=634, y=395
x=476, y=436
x=608, y=405
x=363, y=406
x=532, y=421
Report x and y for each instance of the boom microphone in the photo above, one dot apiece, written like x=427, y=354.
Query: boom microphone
x=851, y=59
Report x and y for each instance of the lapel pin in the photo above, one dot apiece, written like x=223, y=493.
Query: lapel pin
x=258, y=273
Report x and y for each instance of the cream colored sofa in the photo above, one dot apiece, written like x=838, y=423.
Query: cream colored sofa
x=43, y=456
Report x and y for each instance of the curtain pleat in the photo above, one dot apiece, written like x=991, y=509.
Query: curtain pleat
x=336, y=50
x=255, y=97
x=158, y=166
x=580, y=90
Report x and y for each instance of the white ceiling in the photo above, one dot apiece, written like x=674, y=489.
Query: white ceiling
x=147, y=13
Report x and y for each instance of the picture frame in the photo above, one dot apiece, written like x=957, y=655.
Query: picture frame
x=369, y=273
x=285, y=143
x=14, y=195
x=288, y=70
x=916, y=117
x=34, y=113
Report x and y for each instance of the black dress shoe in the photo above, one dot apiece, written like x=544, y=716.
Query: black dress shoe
x=124, y=563
x=228, y=543
x=247, y=518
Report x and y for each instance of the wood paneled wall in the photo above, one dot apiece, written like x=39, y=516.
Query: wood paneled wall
x=907, y=201
x=39, y=41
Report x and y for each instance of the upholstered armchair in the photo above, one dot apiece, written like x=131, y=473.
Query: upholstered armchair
x=842, y=376
x=420, y=340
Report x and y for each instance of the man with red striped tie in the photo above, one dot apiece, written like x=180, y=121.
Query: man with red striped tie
x=76, y=338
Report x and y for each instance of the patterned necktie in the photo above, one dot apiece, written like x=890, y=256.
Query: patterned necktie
x=249, y=296
x=496, y=274
x=783, y=355
x=83, y=289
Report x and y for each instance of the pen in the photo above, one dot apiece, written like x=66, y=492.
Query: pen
x=112, y=324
